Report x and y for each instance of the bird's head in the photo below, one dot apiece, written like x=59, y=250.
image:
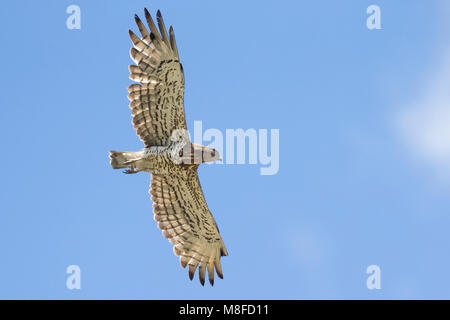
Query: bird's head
x=207, y=154
x=193, y=154
x=185, y=152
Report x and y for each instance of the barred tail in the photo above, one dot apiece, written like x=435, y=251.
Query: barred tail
x=120, y=160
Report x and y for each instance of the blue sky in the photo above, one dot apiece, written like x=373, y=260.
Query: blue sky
x=364, y=150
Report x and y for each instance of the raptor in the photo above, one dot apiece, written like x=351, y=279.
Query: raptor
x=157, y=107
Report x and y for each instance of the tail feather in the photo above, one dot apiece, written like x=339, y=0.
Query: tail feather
x=120, y=160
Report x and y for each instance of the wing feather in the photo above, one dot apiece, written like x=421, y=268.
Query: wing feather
x=184, y=218
x=157, y=102
x=142, y=29
x=152, y=26
x=162, y=28
x=173, y=43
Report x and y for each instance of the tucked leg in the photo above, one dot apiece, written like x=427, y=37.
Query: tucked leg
x=131, y=171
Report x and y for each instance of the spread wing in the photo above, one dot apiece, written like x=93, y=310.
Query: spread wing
x=157, y=102
x=184, y=218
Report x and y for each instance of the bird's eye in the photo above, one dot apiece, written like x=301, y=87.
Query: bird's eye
x=213, y=154
x=180, y=153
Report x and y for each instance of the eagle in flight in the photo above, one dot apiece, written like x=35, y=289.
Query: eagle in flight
x=157, y=107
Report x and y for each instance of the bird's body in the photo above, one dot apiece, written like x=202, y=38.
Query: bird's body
x=163, y=159
x=157, y=106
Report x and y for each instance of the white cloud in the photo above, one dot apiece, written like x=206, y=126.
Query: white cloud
x=425, y=123
x=308, y=249
x=424, y=120
x=311, y=246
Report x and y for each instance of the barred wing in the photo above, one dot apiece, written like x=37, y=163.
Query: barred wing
x=184, y=218
x=157, y=102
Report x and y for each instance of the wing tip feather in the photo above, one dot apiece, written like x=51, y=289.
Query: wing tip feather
x=192, y=271
x=136, y=18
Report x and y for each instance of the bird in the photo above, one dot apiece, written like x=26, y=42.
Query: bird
x=158, y=116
